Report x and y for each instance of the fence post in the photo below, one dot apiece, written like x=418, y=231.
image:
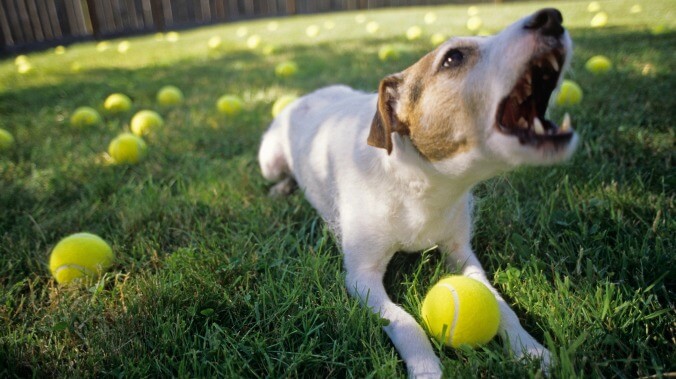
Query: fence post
x=158, y=15
x=291, y=6
x=96, y=27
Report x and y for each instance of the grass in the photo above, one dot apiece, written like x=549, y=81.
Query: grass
x=212, y=278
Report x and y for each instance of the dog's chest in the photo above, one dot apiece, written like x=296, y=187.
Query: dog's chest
x=422, y=223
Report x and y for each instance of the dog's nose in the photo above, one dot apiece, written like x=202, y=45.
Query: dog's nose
x=547, y=21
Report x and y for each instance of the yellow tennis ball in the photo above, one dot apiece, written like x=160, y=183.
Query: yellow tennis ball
x=281, y=103
x=214, y=42
x=312, y=31
x=20, y=59
x=230, y=105
x=6, y=140
x=437, y=39
x=372, y=27
x=599, y=20
x=80, y=255
x=474, y=23
x=145, y=122
x=253, y=41
x=388, y=53
x=461, y=311
x=85, y=116
x=413, y=33
x=127, y=149
x=569, y=94
x=598, y=64
x=286, y=69
x=117, y=103
x=169, y=96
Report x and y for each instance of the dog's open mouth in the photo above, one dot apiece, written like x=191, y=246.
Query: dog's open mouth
x=522, y=112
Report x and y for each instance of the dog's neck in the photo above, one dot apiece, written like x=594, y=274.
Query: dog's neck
x=442, y=182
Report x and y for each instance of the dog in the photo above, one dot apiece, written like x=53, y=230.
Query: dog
x=393, y=171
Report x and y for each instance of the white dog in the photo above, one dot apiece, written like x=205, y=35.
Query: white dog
x=394, y=171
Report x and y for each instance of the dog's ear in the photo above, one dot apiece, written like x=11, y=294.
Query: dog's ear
x=385, y=121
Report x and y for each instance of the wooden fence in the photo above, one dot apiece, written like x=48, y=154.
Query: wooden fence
x=34, y=24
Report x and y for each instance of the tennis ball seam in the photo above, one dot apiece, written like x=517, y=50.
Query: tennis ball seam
x=85, y=270
x=456, y=311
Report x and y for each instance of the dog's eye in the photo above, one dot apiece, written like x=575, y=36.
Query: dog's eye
x=453, y=58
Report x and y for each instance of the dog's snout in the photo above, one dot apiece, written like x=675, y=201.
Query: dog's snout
x=546, y=21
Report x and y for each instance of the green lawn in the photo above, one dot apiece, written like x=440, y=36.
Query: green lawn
x=212, y=278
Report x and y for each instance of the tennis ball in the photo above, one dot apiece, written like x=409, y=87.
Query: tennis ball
x=102, y=46
x=80, y=255
x=569, y=94
x=599, y=20
x=430, y=18
x=214, y=42
x=230, y=105
x=85, y=116
x=117, y=103
x=253, y=41
x=20, y=59
x=59, y=50
x=169, y=95
x=636, y=8
x=242, y=32
x=123, y=47
x=388, y=53
x=281, y=103
x=437, y=39
x=372, y=27
x=24, y=68
x=6, y=140
x=329, y=25
x=172, y=36
x=286, y=69
x=461, y=311
x=127, y=149
x=413, y=33
x=145, y=122
x=598, y=64
x=269, y=50
x=312, y=31
x=594, y=6
x=472, y=11
x=474, y=23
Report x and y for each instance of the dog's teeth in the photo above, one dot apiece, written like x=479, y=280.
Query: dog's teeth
x=522, y=123
x=552, y=60
x=565, y=124
x=537, y=127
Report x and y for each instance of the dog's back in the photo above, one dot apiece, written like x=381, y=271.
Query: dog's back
x=309, y=127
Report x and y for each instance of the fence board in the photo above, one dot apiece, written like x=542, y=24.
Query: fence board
x=44, y=19
x=4, y=27
x=54, y=18
x=26, y=23
x=35, y=20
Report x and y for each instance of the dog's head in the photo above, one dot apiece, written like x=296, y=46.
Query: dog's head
x=485, y=96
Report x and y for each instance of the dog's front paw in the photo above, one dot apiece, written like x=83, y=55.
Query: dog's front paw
x=533, y=350
x=425, y=369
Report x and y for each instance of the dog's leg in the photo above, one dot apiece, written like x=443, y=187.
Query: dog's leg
x=460, y=255
x=520, y=341
x=365, y=271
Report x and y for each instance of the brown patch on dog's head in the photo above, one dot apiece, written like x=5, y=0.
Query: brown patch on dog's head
x=426, y=103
